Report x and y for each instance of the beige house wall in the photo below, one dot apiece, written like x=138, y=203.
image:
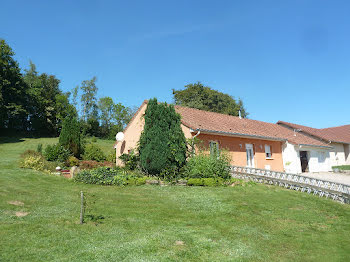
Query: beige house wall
x=337, y=154
x=133, y=132
x=347, y=153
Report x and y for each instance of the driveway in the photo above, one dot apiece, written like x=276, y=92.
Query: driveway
x=343, y=178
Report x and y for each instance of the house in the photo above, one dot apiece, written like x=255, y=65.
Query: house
x=249, y=142
x=338, y=138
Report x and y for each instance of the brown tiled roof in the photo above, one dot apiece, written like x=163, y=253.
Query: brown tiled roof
x=232, y=125
x=339, y=134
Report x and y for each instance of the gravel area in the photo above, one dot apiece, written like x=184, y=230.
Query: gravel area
x=343, y=178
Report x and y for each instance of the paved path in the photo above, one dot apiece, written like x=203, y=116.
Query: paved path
x=330, y=176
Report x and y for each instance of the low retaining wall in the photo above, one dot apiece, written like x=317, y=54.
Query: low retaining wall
x=322, y=188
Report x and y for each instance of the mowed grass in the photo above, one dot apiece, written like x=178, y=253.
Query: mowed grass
x=152, y=223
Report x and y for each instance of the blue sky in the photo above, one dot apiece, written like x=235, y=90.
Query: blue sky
x=287, y=60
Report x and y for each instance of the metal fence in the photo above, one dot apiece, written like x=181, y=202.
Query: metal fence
x=322, y=188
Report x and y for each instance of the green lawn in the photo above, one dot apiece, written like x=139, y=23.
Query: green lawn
x=146, y=223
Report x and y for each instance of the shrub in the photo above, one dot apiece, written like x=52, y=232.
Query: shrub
x=37, y=162
x=119, y=180
x=30, y=152
x=70, y=136
x=195, y=182
x=33, y=162
x=162, y=143
x=130, y=160
x=344, y=167
x=111, y=157
x=72, y=161
x=206, y=166
x=99, y=176
x=56, y=153
x=93, y=152
x=171, y=174
x=137, y=181
x=109, y=176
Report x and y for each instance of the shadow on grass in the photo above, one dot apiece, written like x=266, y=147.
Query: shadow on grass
x=4, y=140
x=17, y=139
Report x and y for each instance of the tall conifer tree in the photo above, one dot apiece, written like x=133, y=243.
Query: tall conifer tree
x=162, y=143
x=70, y=136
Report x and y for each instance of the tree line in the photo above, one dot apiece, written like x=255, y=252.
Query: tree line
x=33, y=103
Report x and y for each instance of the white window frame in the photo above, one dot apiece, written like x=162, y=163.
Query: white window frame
x=250, y=147
x=268, y=152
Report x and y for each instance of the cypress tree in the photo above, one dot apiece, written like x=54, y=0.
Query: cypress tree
x=70, y=136
x=162, y=144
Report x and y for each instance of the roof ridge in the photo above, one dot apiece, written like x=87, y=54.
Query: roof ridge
x=290, y=123
x=335, y=127
x=222, y=114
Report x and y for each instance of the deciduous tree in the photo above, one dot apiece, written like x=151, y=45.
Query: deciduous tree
x=204, y=98
x=13, y=96
x=88, y=98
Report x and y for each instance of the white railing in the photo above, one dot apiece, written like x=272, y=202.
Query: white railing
x=320, y=187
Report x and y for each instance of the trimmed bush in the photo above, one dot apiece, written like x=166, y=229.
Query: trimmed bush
x=93, y=152
x=195, y=182
x=206, y=166
x=56, y=153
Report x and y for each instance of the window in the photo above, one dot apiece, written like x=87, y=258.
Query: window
x=214, y=148
x=268, y=151
x=321, y=157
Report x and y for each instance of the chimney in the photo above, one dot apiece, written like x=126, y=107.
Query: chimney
x=239, y=114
